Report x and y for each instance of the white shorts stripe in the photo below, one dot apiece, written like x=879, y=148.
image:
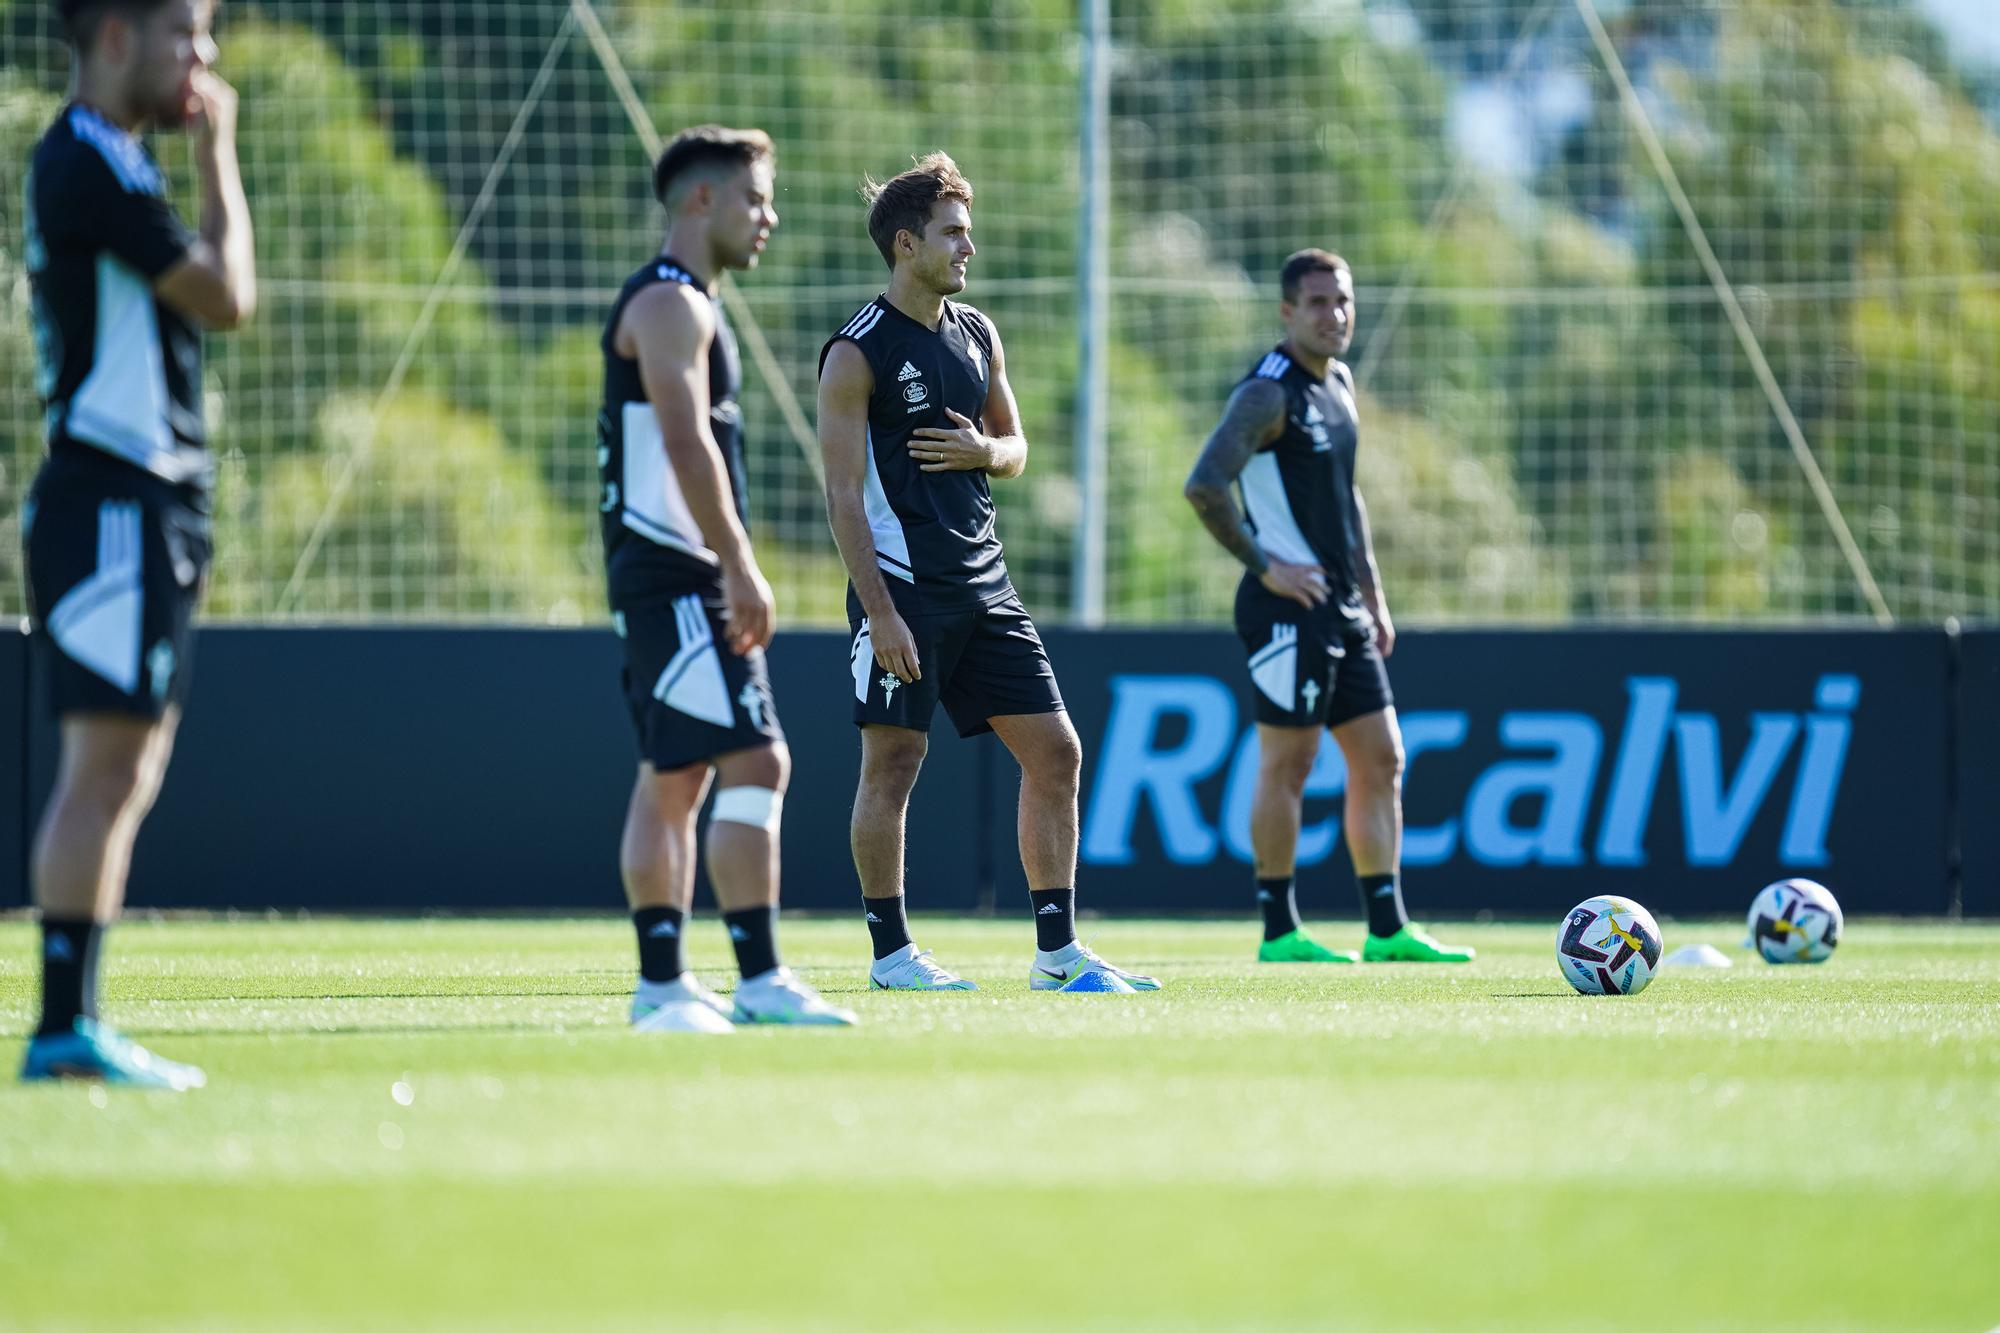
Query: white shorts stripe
x=97, y=624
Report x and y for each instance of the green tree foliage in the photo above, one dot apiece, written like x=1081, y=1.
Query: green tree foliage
x=1560, y=424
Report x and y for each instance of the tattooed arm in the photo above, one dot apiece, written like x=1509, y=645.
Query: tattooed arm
x=1255, y=416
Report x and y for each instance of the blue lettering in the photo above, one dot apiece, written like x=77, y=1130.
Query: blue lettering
x=1131, y=769
x=1804, y=841
x=1716, y=817
x=1564, y=779
x=1621, y=840
x=1430, y=845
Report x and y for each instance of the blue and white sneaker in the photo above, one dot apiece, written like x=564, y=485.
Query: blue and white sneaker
x=1053, y=971
x=912, y=969
x=101, y=1053
x=778, y=996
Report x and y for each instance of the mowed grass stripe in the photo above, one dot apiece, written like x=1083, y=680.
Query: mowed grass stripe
x=1255, y=1147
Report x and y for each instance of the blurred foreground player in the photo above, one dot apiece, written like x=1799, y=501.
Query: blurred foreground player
x=915, y=414
x=1311, y=615
x=117, y=524
x=688, y=599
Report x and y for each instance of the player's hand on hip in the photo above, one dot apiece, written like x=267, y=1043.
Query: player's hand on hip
x=961, y=449
x=895, y=647
x=1304, y=584
x=753, y=612
x=212, y=110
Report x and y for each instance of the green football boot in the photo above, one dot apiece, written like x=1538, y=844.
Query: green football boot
x=1296, y=947
x=1412, y=944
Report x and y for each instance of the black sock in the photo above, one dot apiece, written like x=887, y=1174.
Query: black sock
x=1382, y=900
x=754, y=933
x=69, y=973
x=887, y=925
x=1055, y=918
x=659, y=941
x=1281, y=909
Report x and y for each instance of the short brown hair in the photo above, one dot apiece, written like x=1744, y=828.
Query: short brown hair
x=82, y=18
x=1308, y=261
x=904, y=203
x=709, y=145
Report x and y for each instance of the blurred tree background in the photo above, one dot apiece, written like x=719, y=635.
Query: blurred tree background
x=1559, y=422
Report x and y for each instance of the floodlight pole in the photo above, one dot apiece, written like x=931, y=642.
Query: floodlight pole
x=1087, y=585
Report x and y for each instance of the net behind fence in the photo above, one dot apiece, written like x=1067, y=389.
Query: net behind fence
x=1560, y=419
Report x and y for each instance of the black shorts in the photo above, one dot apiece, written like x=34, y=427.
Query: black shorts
x=690, y=697
x=983, y=662
x=117, y=561
x=1309, y=668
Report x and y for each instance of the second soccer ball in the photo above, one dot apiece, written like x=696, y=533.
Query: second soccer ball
x=1608, y=946
x=1795, y=921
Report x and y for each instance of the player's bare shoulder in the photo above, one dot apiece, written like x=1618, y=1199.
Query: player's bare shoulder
x=673, y=314
x=845, y=367
x=1255, y=411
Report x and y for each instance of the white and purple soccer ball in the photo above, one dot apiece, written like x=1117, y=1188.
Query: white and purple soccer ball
x=1608, y=946
x=1794, y=921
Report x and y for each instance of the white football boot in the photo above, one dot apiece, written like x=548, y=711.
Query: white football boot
x=909, y=969
x=778, y=996
x=680, y=1005
x=1053, y=971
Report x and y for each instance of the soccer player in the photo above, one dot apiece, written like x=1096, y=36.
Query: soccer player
x=1311, y=614
x=118, y=522
x=688, y=599
x=915, y=414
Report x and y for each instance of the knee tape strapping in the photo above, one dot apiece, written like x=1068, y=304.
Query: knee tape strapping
x=759, y=807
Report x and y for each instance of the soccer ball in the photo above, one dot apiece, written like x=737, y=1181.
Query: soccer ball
x=1794, y=921
x=1608, y=946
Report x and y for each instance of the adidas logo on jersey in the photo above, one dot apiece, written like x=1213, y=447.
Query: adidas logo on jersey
x=1315, y=424
x=908, y=372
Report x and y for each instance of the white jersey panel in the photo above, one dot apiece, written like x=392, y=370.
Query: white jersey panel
x=892, y=544
x=1269, y=510
x=121, y=406
x=655, y=506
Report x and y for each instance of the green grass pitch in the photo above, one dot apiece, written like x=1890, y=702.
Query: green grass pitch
x=432, y=1124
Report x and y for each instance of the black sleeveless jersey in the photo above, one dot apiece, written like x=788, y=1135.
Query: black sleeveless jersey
x=933, y=530
x=1298, y=490
x=644, y=516
x=118, y=371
